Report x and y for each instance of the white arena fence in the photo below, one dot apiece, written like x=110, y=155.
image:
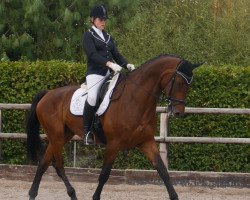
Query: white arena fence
x=163, y=139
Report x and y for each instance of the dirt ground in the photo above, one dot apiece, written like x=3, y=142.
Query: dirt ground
x=54, y=190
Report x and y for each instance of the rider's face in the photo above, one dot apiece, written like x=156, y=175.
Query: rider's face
x=99, y=23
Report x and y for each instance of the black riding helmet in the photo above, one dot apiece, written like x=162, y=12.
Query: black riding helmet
x=99, y=12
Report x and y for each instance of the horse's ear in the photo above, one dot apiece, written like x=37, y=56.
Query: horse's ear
x=197, y=65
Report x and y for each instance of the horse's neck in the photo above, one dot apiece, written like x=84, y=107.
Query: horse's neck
x=146, y=81
x=144, y=87
x=149, y=76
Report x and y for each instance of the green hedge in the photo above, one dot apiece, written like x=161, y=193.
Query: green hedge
x=222, y=87
x=19, y=82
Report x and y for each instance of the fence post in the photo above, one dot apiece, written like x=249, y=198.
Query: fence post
x=163, y=134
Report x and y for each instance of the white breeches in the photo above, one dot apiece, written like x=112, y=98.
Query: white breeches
x=94, y=82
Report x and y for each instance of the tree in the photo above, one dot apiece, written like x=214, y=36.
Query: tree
x=45, y=29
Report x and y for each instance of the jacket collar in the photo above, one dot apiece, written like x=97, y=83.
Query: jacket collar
x=105, y=34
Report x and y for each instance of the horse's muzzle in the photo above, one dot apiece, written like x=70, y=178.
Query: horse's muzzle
x=174, y=111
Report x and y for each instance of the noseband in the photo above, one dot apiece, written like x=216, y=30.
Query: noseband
x=169, y=99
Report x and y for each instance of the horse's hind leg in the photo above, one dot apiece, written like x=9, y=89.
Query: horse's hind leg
x=58, y=164
x=42, y=167
x=151, y=151
x=109, y=158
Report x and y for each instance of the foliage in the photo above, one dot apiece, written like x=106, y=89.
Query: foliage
x=19, y=82
x=213, y=31
x=49, y=29
x=226, y=86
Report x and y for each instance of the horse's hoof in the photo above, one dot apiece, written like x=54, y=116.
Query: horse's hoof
x=96, y=198
x=73, y=197
x=32, y=195
x=72, y=194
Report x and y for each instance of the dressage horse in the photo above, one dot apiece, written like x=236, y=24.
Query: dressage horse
x=129, y=121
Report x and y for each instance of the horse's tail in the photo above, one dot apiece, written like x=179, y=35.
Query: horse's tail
x=34, y=143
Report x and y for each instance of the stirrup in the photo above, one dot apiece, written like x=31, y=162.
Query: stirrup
x=86, y=137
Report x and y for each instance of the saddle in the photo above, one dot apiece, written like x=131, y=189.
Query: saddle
x=103, y=100
x=104, y=89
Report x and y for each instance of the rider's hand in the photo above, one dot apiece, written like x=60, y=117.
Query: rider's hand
x=114, y=66
x=130, y=67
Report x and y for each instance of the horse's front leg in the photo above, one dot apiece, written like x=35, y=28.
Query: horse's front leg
x=151, y=151
x=42, y=167
x=109, y=159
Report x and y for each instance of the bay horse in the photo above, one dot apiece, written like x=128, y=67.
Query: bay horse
x=129, y=121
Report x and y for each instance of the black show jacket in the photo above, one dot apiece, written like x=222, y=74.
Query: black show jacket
x=99, y=52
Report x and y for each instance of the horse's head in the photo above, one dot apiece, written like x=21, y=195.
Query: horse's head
x=175, y=87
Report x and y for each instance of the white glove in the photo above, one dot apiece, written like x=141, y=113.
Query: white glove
x=114, y=67
x=130, y=67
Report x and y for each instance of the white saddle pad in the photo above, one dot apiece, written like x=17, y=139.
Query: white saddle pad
x=80, y=95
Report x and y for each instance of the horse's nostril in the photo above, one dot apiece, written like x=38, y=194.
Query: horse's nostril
x=178, y=114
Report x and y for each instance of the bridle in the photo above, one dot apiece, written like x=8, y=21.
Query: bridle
x=169, y=99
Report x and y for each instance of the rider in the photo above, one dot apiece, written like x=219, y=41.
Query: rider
x=102, y=55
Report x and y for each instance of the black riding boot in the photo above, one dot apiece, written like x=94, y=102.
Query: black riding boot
x=88, y=116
